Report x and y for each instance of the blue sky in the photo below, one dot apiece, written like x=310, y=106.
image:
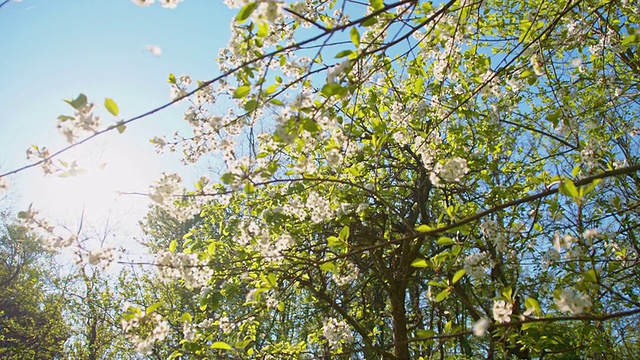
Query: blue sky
x=54, y=50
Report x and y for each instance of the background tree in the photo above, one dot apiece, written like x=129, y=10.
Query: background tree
x=462, y=181
x=32, y=325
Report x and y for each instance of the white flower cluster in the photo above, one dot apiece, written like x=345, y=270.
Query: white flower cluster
x=491, y=232
x=589, y=155
x=101, y=257
x=318, y=208
x=475, y=265
x=165, y=188
x=225, y=325
x=481, y=326
x=347, y=274
x=335, y=331
x=561, y=242
x=83, y=120
x=4, y=183
x=569, y=301
x=272, y=250
x=335, y=72
x=168, y=4
x=451, y=171
x=426, y=149
x=187, y=267
x=502, y=311
x=159, y=332
x=51, y=241
x=189, y=331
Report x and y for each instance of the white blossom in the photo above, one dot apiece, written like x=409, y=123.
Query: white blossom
x=346, y=274
x=143, y=2
x=562, y=242
x=569, y=301
x=451, y=171
x=336, y=331
x=475, y=265
x=502, y=311
x=481, y=326
x=153, y=49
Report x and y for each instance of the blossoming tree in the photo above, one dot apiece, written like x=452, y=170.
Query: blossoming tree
x=404, y=179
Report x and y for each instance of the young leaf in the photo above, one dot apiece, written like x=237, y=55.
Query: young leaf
x=263, y=28
x=355, y=36
x=457, y=276
x=111, y=105
x=78, y=102
x=344, y=53
x=220, y=345
x=241, y=92
x=442, y=295
x=419, y=263
x=329, y=266
x=444, y=241
x=344, y=234
x=246, y=11
x=568, y=188
x=376, y=4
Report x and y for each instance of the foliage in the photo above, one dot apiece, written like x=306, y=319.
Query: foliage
x=31, y=321
x=401, y=180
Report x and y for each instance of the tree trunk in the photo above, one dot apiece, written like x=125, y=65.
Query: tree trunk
x=399, y=316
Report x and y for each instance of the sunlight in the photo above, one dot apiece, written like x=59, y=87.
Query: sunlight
x=108, y=168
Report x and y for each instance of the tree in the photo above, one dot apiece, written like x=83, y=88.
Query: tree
x=31, y=321
x=462, y=182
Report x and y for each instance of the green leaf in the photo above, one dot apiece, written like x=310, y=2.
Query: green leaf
x=425, y=333
x=227, y=178
x=436, y=283
x=333, y=89
x=271, y=89
x=591, y=276
x=186, y=317
x=445, y=241
x=172, y=79
x=328, y=266
x=355, y=36
x=575, y=171
x=458, y=275
x=334, y=242
x=376, y=4
x=584, y=190
x=424, y=228
x=241, y=92
x=419, y=263
x=442, y=295
x=630, y=40
x=64, y=118
x=344, y=53
x=370, y=21
x=152, y=308
x=78, y=102
x=246, y=11
x=344, y=234
x=220, y=345
x=568, y=188
x=120, y=126
x=111, y=105
x=172, y=245
x=263, y=28
x=533, y=304
x=250, y=105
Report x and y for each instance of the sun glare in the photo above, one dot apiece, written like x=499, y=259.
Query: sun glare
x=108, y=168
